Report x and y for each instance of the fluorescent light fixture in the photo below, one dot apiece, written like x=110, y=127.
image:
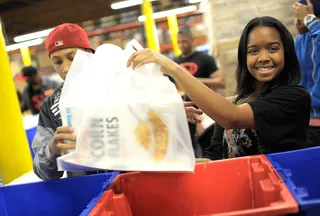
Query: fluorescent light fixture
x=127, y=3
x=194, y=1
x=31, y=36
x=169, y=12
x=24, y=44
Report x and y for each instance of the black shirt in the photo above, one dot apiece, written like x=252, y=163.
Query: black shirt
x=199, y=65
x=281, y=118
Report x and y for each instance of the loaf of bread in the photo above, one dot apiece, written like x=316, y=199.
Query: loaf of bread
x=153, y=136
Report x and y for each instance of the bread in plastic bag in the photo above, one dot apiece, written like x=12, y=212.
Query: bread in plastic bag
x=124, y=119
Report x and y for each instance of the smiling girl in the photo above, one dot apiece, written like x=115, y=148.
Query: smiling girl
x=270, y=111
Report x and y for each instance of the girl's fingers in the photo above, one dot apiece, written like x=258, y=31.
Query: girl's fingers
x=132, y=57
x=143, y=62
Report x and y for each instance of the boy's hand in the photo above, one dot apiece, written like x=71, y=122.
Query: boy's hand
x=57, y=145
x=301, y=11
x=193, y=114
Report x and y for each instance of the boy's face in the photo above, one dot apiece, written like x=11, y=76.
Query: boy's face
x=301, y=28
x=62, y=60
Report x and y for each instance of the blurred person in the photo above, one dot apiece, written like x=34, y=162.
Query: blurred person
x=35, y=91
x=270, y=111
x=198, y=64
x=307, y=45
x=201, y=66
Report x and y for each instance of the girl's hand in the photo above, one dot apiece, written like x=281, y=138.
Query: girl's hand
x=147, y=56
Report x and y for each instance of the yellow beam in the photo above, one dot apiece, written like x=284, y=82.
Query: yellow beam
x=150, y=26
x=15, y=156
x=26, y=57
x=174, y=28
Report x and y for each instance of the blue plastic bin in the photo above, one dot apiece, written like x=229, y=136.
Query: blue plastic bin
x=301, y=173
x=64, y=197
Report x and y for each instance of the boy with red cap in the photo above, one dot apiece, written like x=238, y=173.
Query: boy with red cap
x=48, y=144
x=307, y=13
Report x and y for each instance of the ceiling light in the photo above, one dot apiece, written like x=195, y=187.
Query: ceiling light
x=127, y=3
x=169, y=12
x=24, y=44
x=31, y=36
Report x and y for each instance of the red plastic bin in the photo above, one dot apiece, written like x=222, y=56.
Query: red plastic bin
x=242, y=186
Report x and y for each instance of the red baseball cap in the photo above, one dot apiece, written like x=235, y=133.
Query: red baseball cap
x=67, y=35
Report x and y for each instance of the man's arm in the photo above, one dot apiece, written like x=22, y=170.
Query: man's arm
x=306, y=13
x=314, y=30
x=213, y=76
x=216, y=80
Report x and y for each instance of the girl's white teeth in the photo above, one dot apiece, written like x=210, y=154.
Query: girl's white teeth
x=265, y=69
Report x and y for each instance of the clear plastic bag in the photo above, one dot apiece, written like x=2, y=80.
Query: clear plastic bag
x=125, y=119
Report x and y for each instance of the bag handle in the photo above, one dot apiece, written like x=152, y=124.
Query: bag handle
x=134, y=46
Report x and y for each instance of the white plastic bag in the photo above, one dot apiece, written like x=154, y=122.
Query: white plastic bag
x=131, y=120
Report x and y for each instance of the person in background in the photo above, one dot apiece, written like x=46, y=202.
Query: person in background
x=198, y=64
x=270, y=111
x=307, y=45
x=49, y=142
x=35, y=91
x=201, y=66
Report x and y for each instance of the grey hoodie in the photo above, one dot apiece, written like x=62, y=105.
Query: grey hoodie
x=44, y=164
